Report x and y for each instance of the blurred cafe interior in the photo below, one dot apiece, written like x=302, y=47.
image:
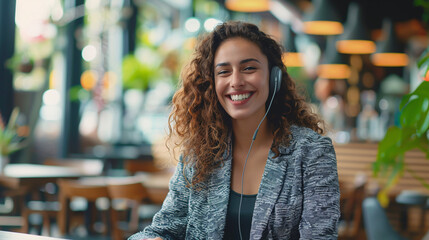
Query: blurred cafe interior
x=86, y=86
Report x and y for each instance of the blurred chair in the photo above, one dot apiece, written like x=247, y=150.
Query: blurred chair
x=130, y=207
x=351, y=225
x=377, y=225
x=135, y=166
x=41, y=211
x=11, y=202
x=408, y=199
x=71, y=189
x=40, y=215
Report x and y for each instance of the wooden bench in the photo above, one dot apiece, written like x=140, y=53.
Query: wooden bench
x=354, y=162
x=356, y=158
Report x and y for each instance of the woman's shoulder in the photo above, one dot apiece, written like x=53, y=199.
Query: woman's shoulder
x=303, y=134
x=303, y=137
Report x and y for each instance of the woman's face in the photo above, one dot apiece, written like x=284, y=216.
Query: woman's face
x=241, y=78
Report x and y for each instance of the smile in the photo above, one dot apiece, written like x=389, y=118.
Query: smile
x=240, y=97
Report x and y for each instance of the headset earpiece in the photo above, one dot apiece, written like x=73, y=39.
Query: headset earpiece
x=275, y=80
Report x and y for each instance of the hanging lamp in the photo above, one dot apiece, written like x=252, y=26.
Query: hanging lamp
x=390, y=52
x=292, y=57
x=248, y=5
x=323, y=20
x=356, y=38
x=333, y=64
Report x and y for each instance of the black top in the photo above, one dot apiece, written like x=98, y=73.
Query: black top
x=247, y=206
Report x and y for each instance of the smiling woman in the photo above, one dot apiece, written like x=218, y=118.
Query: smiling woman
x=254, y=164
x=241, y=79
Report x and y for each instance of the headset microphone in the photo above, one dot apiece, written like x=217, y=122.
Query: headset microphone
x=274, y=85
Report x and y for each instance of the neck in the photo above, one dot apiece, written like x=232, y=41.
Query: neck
x=244, y=130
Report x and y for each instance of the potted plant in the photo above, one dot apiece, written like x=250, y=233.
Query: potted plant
x=11, y=138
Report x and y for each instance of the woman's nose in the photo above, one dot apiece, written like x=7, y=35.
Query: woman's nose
x=236, y=80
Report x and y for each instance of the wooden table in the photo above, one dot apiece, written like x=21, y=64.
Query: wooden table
x=20, y=180
x=21, y=236
x=32, y=175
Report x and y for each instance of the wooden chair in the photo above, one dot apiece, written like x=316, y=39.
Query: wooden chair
x=351, y=224
x=135, y=166
x=46, y=205
x=10, y=215
x=70, y=189
x=129, y=198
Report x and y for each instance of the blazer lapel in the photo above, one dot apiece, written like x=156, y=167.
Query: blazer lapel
x=218, y=196
x=269, y=190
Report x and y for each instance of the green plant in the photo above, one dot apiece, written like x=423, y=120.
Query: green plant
x=137, y=75
x=413, y=133
x=10, y=140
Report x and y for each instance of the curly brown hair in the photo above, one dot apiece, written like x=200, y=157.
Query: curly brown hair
x=202, y=125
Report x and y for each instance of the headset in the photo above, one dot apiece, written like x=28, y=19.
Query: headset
x=274, y=87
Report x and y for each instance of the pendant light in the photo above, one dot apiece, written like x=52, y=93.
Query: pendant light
x=323, y=20
x=390, y=52
x=292, y=57
x=333, y=64
x=248, y=5
x=356, y=38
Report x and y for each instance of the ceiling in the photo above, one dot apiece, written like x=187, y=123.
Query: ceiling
x=407, y=16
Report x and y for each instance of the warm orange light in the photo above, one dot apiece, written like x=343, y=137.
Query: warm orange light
x=390, y=59
x=88, y=79
x=323, y=27
x=52, y=79
x=355, y=46
x=292, y=59
x=109, y=79
x=334, y=71
x=248, y=5
x=190, y=43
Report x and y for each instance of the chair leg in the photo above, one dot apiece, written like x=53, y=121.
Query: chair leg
x=26, y=222
x=114, y=219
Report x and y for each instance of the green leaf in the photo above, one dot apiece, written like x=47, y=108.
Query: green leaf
x=424, y=57
x=412, y=112
x=422, y=90
x=409, y=140
x=422, y=61
x=388, y=148
x=405, y=100
x=12, y=120
x=423, y=124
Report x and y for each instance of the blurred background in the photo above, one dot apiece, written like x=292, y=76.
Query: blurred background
x=93, y=79
x=96, y=77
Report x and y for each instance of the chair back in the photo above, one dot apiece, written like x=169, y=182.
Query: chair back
x=134, y=191
x=132, y=195
x=134, y=166
x=70, y=189
x=377, y=225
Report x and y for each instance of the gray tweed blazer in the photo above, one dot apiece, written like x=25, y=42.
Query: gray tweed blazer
x=298, y=197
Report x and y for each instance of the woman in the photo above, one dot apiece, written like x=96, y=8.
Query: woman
x=230, y=182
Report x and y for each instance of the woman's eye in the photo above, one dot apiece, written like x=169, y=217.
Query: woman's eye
x=222, y=72
x=249, y=68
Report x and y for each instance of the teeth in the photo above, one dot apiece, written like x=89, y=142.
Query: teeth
x=240, y=97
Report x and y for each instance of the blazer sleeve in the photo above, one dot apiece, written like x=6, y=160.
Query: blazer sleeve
x=170, y=222
x=321, y=209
